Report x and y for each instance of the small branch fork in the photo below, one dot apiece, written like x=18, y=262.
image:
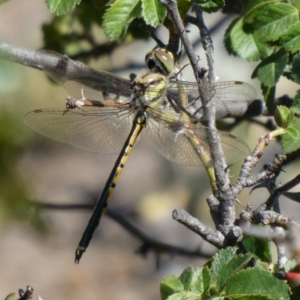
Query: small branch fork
x=262, y=215
x=229, y=230
x=26, y=295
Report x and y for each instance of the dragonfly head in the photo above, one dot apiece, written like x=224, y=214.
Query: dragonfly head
x=149, y=88
x=160, y=61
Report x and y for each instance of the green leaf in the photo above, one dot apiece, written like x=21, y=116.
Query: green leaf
x=10, y=296
x=271, y=68
x=291, y=39
x=189, y=285
x=229, y=269
x=240, y=40
x=260, y=249
x=118, y=17
x=153, y=12
x=184, y=296
x=61, y=7
x=249, y=5
x=221, y=259
x=272, y=20
x=186, y=278
x=170, y=285
x=269, y=96
x=297, y=3
x=210, y=6
x=296, y=104
x=291, y=140
x=202, y=280
x=295, y=69
x=256, y=282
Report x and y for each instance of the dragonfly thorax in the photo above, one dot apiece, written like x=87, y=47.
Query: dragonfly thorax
x=149, y=88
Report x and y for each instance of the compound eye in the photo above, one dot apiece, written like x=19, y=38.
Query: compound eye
x=166, y=58
x=150, y=63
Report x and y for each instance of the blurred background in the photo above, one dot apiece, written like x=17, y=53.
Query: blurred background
x=37, y=246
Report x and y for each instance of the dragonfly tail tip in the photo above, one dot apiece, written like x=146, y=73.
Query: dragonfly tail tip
x=78, y=254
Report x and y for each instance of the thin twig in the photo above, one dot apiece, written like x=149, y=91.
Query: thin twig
x=19, y=55
x=251, y=161
x=148, y=243
x=210, y=235
x=206, y=42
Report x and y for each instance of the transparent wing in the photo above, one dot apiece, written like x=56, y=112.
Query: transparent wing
x=227, y=90
x=166, y=135
x=80, y=81
x=105, y=130
x=219, y=92
x=102, y=130
x=171, y=145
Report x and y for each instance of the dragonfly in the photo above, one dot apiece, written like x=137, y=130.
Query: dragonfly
x=111, y=111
